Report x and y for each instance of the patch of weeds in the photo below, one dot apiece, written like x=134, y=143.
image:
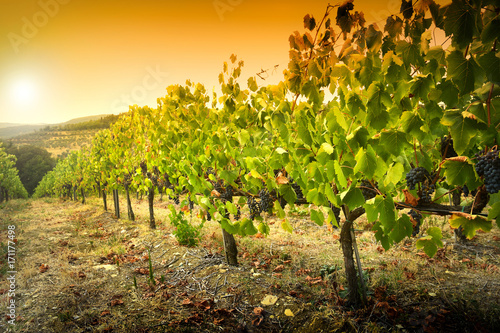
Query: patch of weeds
x=185, y=233
x=64, y=316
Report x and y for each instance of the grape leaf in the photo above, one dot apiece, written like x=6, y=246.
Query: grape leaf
x=431, y=242
x=309, y=22
x=352, y=197
x=285, y=224
x=494, y=213
x=470, y=224
x=462, y=129
x=461, y=21
x=460, y=173
x=463, y=72
x=490, y=31
x=366, y=162
x=402, y=228
x=491, y=65
x=317, y=216
x=394, y=141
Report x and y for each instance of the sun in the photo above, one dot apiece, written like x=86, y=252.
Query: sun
x=23, y=91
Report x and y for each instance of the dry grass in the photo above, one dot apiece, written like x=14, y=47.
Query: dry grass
x=81, y=270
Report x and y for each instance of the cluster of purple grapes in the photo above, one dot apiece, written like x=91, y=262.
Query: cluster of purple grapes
x=368, y=189
x=488, y=165
x=418, y=218
x=422, y=176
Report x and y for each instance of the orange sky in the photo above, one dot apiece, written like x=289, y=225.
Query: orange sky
x=61, y=59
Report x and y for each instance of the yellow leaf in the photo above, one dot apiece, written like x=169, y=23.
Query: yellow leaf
x=269, y=300
x=289, y=313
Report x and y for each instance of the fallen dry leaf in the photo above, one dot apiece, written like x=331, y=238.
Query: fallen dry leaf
x=269, y=300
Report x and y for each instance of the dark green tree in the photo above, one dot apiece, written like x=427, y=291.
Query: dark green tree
x=33, y=163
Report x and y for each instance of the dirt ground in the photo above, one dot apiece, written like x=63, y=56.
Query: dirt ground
x=79, y=269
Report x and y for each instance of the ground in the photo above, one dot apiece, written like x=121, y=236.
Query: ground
x=80, y=269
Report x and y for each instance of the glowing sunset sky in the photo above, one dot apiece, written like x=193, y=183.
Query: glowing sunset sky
x=62, y=59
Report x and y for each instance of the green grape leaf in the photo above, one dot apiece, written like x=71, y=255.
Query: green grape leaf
x=231, y=207
x=410, y=53
x=412, y=123
x=341, y=180
x=229, y=227
x=285, y=224
x=461, y=21
x=247, y=227
x=402, y=228
x=263, y=228
x=381, y=209
x=394, y=174
x=355, y=104
x=463, y=72
x=470, y=223
x=381, y=236
x=494, y=213
x=431, y=242
x=358, y=137
x=281, y=151
x=327, y=148
x=288, y=193
x=352, y=197
x=317, y=216
x=491, y=31
x=252, y=84
x=394, y=141
x=421, y=86
x=462, y=129
x=449, y=93
x=279, y=211
x=459, y=173
x=394, y=26
x=304, y=133
x=366, y=162
x=373, y=38
x=437, y=53
x=491, y=66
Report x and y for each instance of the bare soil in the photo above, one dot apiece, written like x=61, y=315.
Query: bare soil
x=80, y=269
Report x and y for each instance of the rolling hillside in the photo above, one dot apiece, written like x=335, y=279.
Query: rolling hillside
x=58, y=139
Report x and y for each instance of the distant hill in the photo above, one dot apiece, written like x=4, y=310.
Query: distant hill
x=58, y=139
x=3, y=125
x=10, y=130
x=84, y=119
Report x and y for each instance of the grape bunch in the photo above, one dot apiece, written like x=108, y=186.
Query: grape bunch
x=447, y=149
x=415, y=176
x=427, y=190
x=488, y=165
x=298, y=190
x=144, y=167
x=254, y=207
x=465, y=191
x=421, y=176
x=209, y=217
x=176, y=199
x=227, y=194
x=191, y=203
x=265, y=200
x=418, y=219
x=238, y=214
x=369, y=191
